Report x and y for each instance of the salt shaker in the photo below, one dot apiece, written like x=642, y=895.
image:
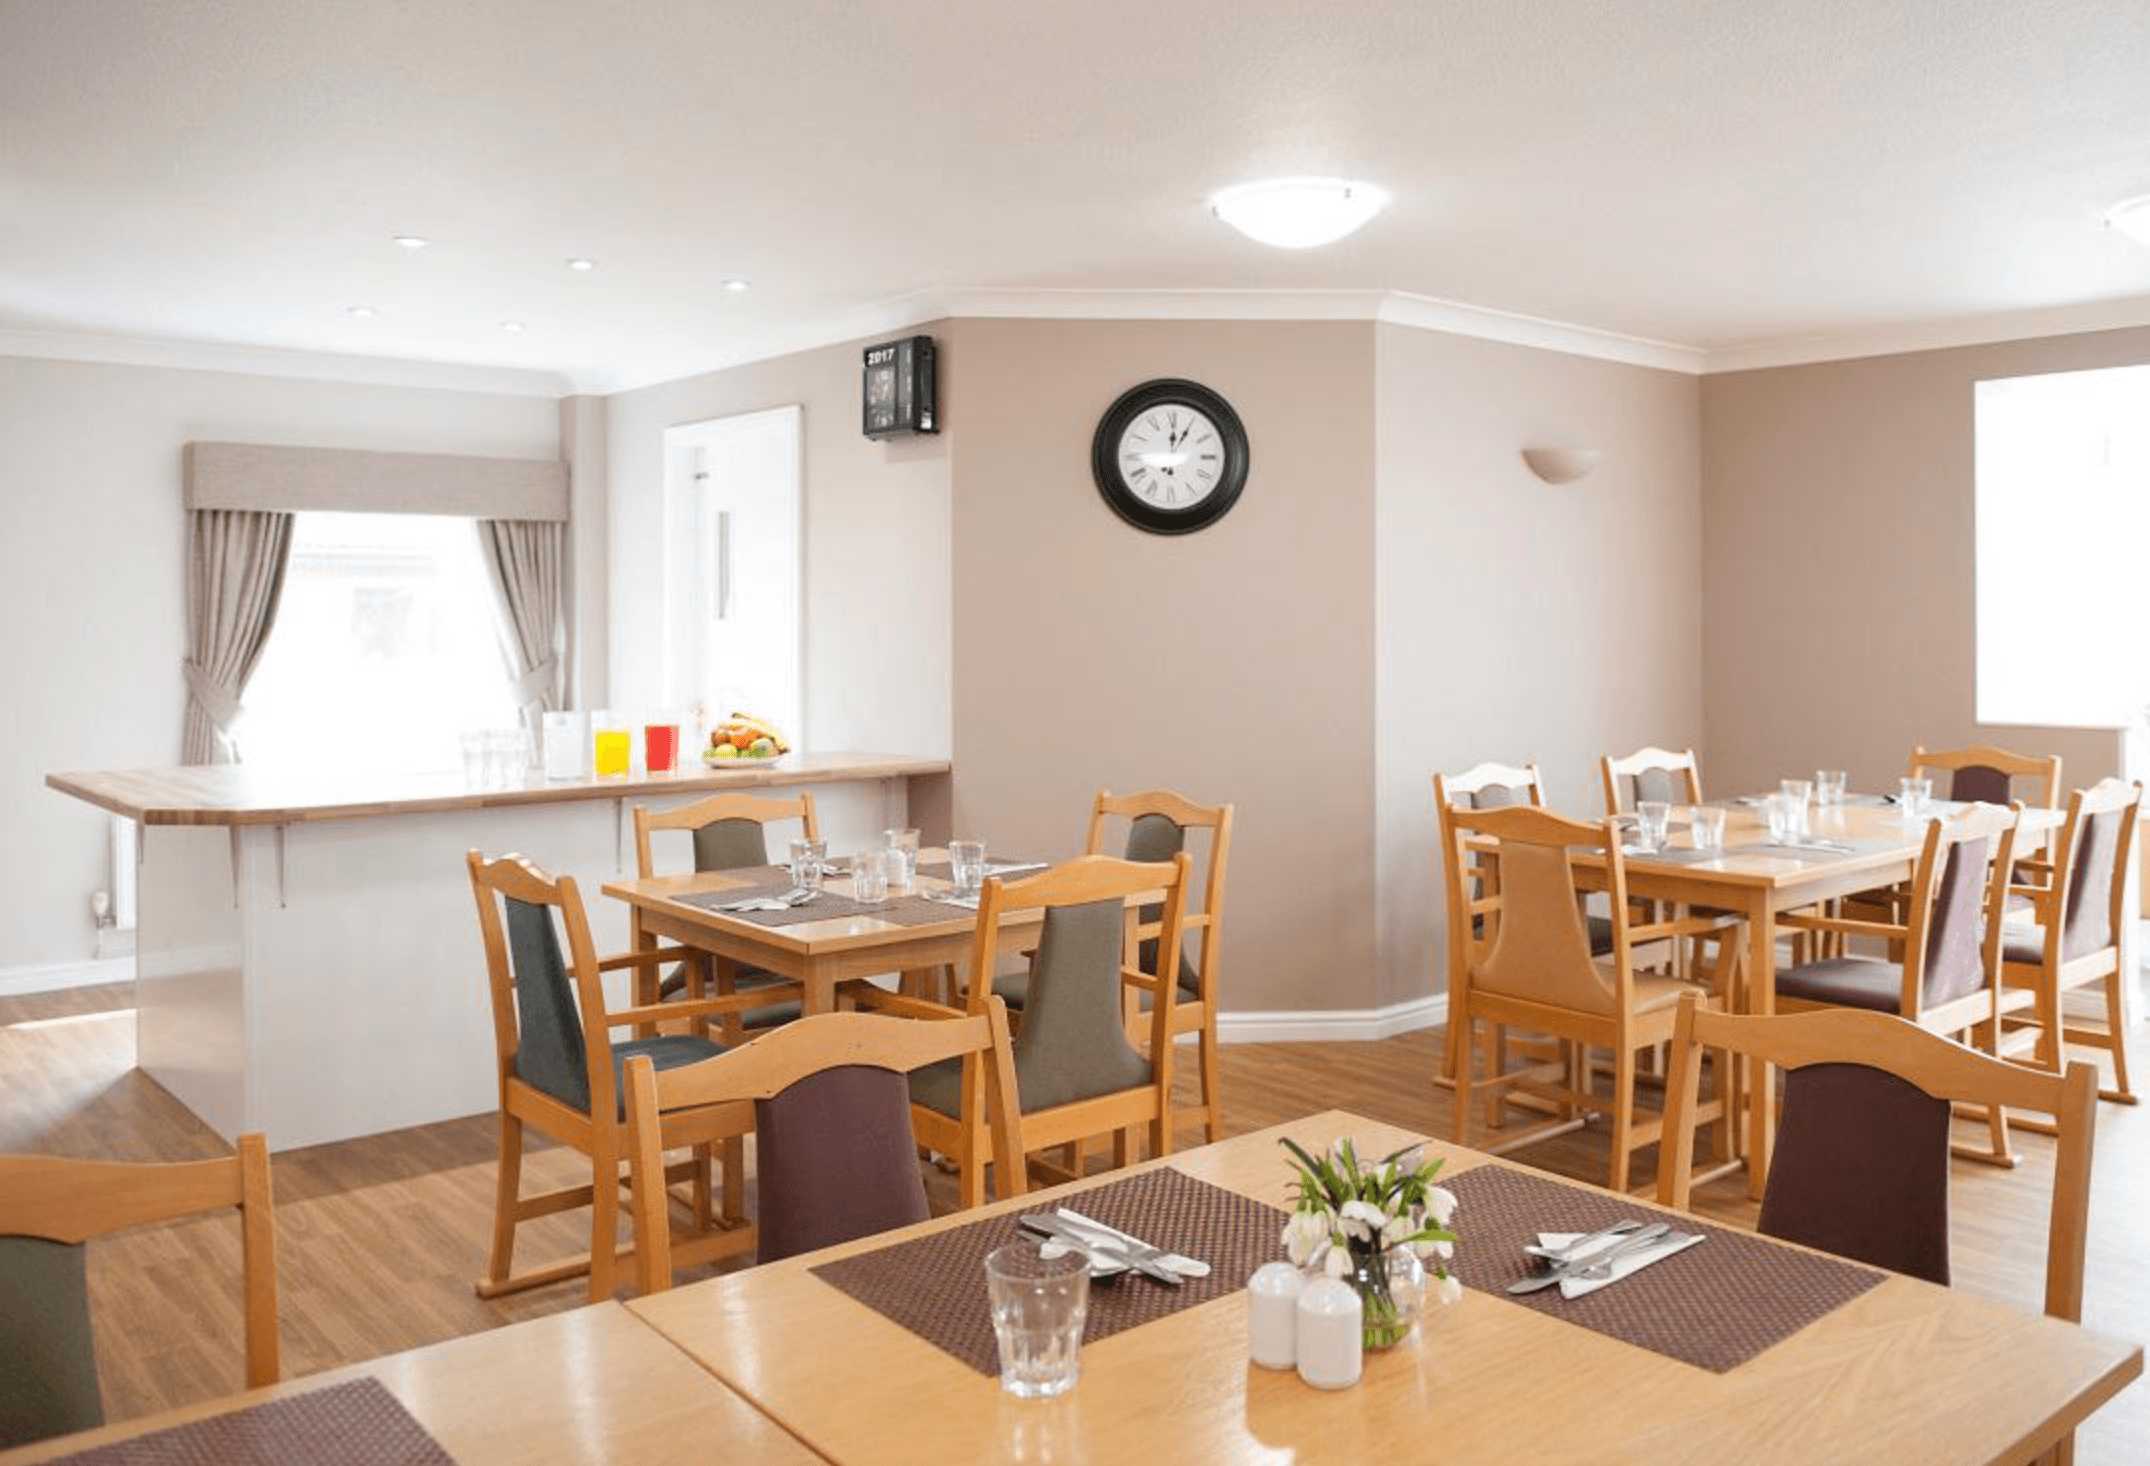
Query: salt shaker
x=1273, y=1315
x=1330, y=1345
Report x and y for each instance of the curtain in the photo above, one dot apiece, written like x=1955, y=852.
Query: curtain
x=526, y=560
x=235, y=577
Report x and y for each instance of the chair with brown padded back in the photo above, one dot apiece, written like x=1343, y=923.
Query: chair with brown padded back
x=1984, y=774
x=2074, y=939
x=1076, y=1073
x=836, y=1156
x=729, y=832
x=1861, y=1162
x=49, y=1207
x=559, y=1070
x=1533, y=968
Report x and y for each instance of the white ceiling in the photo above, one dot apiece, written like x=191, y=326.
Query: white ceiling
x=1742, y=179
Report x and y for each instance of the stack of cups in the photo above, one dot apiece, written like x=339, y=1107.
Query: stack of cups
x=902, y=846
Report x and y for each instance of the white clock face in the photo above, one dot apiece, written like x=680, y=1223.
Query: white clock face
x=1171, y=456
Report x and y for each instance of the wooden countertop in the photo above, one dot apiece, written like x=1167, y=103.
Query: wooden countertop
x=232, y=794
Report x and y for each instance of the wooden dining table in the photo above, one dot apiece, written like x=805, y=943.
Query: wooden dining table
x=1904, y=1371
x=583, y=1388
x=1758, y=881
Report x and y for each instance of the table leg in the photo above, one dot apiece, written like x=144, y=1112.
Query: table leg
x=1761, y=999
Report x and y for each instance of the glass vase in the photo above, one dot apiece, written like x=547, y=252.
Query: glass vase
x=1392, y=1287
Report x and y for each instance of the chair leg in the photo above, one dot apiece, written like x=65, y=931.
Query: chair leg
x=1460, y=1023
x=734, y=1151
x=1212, y=1103
x=704, y=1209
x=507, y=1193
x=2116, y=1040
x=604, y=1221
x=1623, y=1113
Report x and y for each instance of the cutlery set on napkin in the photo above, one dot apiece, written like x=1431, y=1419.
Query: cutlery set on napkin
x=1109, y=1251
x=796, y=896
x=1583, y=1262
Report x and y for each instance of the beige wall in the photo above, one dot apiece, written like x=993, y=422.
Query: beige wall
x=875, y=525
x=1232, y=664
x=1839, y=562
x=93, y=581
x=1522, y=621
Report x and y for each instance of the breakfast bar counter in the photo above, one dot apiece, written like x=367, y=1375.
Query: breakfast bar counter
x=307, y=957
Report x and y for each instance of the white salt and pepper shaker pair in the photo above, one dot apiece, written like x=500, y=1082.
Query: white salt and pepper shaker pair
x=1313, y=1325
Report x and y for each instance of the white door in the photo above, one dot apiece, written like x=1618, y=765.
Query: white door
x=732, y=568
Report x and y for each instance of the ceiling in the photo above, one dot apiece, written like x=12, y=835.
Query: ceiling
x=1722, y=182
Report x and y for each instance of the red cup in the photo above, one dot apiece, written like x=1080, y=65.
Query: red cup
x=660, y=747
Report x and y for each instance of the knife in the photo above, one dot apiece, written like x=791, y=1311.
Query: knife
x=1639, y=1242
x=1174, y=1262
x=1059, y=1231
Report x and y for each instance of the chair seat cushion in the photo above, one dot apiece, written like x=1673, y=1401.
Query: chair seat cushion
x=1655, y=990
x=1847, y=982
x=939, y=1087
x=665, y=1051
x=1014, y=988
x=2023, y=942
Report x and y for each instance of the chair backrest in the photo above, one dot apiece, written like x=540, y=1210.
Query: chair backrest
x=1651, y=773
x=2091, y=868
x=1537, y=945
x=1952, y=946
x=835, y=1155
x=1073, y=1044
x=1860, y=1166
x=1467, y=881
x=549, y=1025
x=1158, y=822
x=727, y=829
x=50, y=1206
x=1989, y=775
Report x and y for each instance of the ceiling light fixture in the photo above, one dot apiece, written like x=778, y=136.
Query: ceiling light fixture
x=2131, y=217
x=362, y=312
x=513, y=328
x=582, y=264
x=410, y=241
x=1298, y=213
x=735, y=286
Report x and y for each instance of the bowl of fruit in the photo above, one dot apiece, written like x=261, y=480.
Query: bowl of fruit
x=743, y=739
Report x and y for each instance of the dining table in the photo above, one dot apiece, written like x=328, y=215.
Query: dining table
x=1740, y=1348
x=1863, y=844
x=590, y=1386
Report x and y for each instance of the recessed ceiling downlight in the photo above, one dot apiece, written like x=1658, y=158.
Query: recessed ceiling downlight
x=410, y=241
x=360, y=312
x=2132, y=218
x=1299, y=213
x=580, y=264
x=735, y=286
x=513, y=328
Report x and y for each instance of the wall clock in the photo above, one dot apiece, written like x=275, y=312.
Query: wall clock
x=1170, y=456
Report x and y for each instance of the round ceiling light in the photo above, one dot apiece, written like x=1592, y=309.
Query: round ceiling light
x=735, y=286
x=410, y=241
x=579, y=264
x=1298, y=213
x=2131, y=217
x=360, y=312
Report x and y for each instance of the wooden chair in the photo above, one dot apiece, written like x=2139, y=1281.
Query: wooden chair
x=1534, y=969
x=729, y=832
x=1860, y=1166
x=559, y=1072
x=49, y=1207
x=1077, y=1074
x=1984, y=774
x=836, y=1156
x=2078, y=918
x=1158, y=822
x=1467, y=880
x=1651, y=773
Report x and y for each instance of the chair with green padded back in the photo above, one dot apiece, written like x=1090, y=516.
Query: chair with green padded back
x=50, y=1206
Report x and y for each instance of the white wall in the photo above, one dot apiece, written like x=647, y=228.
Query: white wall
x=875, y=521
x=93, y=581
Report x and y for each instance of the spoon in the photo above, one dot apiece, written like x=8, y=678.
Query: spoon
x=1546, y=1259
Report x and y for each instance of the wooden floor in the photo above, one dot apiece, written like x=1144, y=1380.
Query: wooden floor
x=380, y=1238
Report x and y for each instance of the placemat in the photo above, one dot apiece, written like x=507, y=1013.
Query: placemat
x=357, y=1423
x=830, y=905
x=1714, y=1306
x=1004, y=866
x=935, y=1286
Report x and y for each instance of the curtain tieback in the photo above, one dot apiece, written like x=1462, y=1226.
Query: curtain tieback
x=536, y=685
x=217, y=700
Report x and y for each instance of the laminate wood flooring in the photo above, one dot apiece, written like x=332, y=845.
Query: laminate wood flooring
x=380, y=1238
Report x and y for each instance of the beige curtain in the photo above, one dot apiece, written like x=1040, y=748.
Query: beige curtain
x=235, y=577
x=526, y=560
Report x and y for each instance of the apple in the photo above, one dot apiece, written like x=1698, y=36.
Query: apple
x=761, y=748
x=723, y=751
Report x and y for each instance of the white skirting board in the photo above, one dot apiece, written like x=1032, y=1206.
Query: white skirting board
x=16, y=981
x=1332, y=1026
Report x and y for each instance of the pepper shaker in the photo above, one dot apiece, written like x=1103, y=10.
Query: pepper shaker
x=1273, y=1315
x=1329, y=1339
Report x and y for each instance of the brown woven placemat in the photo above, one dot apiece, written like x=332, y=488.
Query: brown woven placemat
x=830, y=905
x=1714, y=1306
x=357, y=1423
x=935, y=1286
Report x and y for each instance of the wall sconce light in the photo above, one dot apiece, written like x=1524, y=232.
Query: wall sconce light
x=1561, y=465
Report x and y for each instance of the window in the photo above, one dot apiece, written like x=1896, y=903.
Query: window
x=2063, y=503
x=385, y=648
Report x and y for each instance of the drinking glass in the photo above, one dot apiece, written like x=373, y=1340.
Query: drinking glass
x=660, y=745
x=1709, y=828
x=869, y=875
x=903, y=870
x=1039, y=1304
x=1796, y=792
x=611, y=744
x=1652, y=818
x=966, y=866
x=563, y=746
x=1911, y=796
x=807, y=859
x=1781, y=827
x=473, y=746
x=1829, y=786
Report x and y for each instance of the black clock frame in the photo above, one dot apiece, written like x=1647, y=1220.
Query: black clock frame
x=1132, y=507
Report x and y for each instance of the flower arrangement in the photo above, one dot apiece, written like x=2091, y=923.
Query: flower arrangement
x=1347, y=1217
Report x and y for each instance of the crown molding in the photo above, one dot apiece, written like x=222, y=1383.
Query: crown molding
x=279, y=361
x=1987, y=330
x=1425, y=313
